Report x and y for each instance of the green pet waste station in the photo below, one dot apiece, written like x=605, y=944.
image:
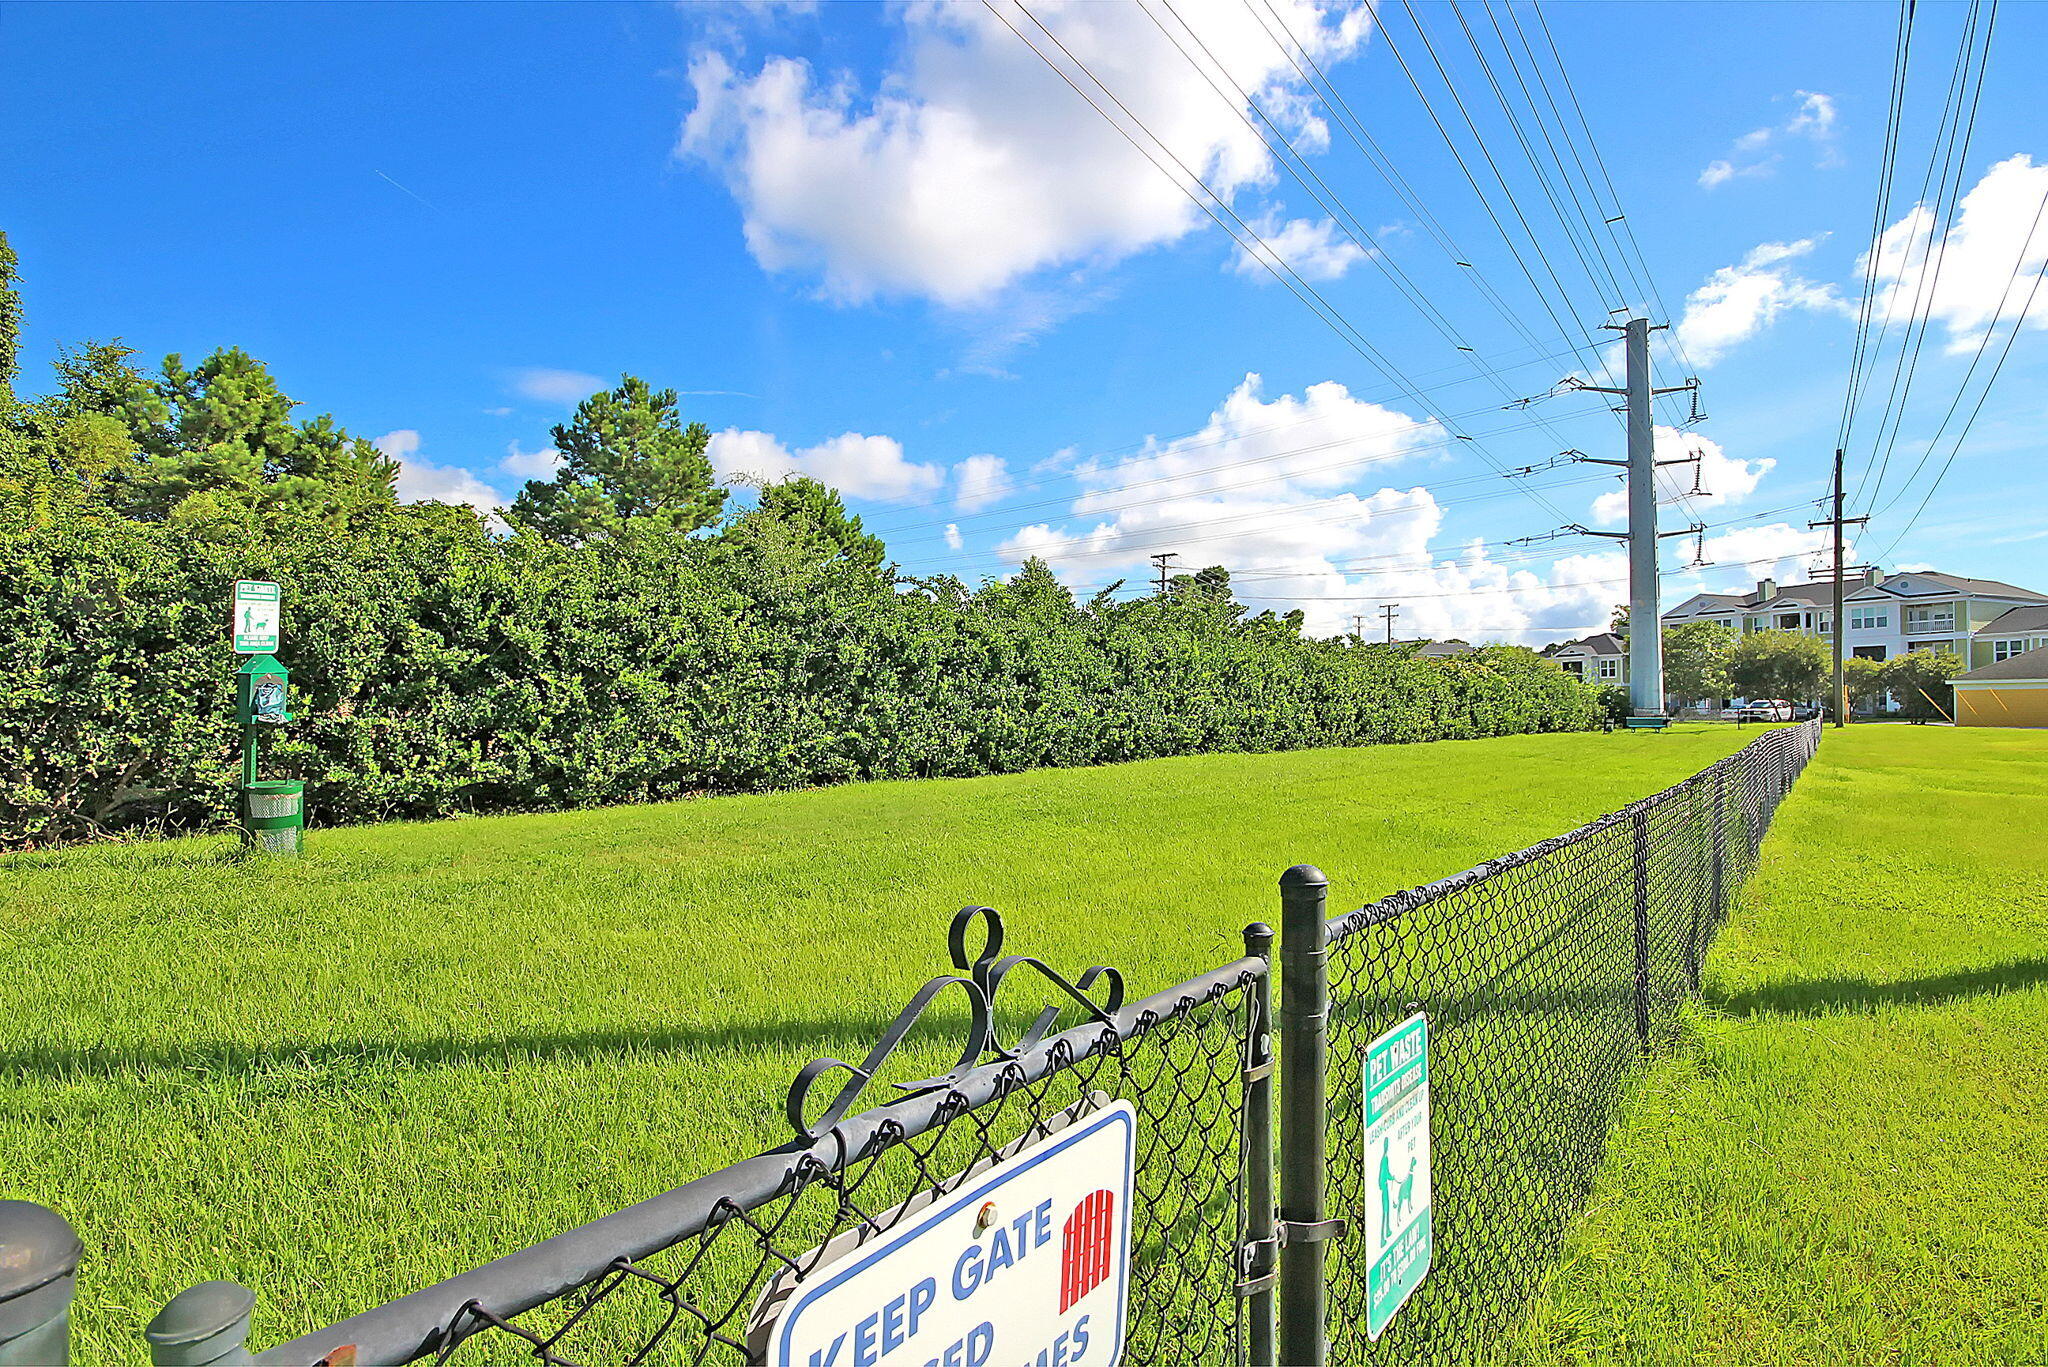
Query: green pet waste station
x=273, y=810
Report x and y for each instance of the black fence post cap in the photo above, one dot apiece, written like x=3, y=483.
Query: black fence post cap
x=1304, y=876
x=37, y=1246
x=202, y=1324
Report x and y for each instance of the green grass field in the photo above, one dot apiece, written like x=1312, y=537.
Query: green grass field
x=1849, y=1163
x=423, y=1046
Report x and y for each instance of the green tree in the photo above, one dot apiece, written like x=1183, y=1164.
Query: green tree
x=1865, y=680
x=1696, y=660
x=1919, y=679
x=1779, y=664
x=628, y=461
x=818, y=520
x=10, y=324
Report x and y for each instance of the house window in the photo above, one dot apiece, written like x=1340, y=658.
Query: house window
x=1930, y=645
x=1788, y=621
x=2005, y=650
x=1728, y=622
x=1757, y=623
x=1869, y=619
x=1825, y=624
x=1937, y=617
x=1610, y=669
x=1572, y=666
x=1868, y=652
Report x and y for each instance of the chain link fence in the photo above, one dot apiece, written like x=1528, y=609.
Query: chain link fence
x=1544, y=975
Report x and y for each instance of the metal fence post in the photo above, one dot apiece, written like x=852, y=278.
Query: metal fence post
x=1720, y=845
x=1304, y=1028
x=1261, y=1245
x=39, y=1253
x=1639, y=843
x=203, y=1326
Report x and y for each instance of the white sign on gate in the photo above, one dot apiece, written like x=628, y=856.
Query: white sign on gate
x=1026, y=1265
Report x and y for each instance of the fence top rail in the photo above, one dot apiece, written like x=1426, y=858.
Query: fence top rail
x=1398, y=904
x=418, y=1325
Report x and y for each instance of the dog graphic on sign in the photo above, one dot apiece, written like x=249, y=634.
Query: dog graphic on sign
x=1086, y=1242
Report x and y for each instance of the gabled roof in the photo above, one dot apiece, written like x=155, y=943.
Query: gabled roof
x=1806, y=595
x=2017, y=619
x=1601, y=643
x=1821, y=593
x=2032, y=664
x=1988, y=588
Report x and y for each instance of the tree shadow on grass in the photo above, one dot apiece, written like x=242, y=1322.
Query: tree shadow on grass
x=336, y=1062
x=1830, y=996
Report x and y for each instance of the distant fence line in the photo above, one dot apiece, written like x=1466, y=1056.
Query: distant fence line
x=1544, y=976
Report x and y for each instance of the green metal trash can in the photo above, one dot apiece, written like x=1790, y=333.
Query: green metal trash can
x=276, y=813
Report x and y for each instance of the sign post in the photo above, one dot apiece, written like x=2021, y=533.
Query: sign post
x=273, y=813
x=1024, y=1262
x=1397, y=1228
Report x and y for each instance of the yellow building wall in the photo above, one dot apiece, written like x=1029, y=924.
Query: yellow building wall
x=2003, y=705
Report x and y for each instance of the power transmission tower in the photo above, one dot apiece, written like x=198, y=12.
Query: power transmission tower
x=1838, y=522
x=1390, y=612
x=1645, y=637
x=1160, y=562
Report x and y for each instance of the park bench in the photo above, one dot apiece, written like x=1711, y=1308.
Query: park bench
x=1646, y=723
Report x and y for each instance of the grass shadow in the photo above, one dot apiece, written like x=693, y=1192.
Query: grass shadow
x=1828, y=996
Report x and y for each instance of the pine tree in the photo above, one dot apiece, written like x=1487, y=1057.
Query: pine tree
x=628, y=461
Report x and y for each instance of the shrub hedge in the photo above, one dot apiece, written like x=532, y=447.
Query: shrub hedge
x=438, y=669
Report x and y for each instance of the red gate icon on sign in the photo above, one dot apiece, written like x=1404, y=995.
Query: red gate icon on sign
x=1085, y=1247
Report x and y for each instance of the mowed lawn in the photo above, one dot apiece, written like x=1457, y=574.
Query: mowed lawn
x=424, y=1045
x=1850, y=1163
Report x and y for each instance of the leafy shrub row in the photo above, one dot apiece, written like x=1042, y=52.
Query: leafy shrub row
x=438, y=669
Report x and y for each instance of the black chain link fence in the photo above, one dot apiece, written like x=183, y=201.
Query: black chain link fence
x=735, y=1238
x=1546, y=975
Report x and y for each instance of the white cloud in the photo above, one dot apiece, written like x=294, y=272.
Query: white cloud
x=1739, y=301
x=856, y=465
x=1777, y=550
x=980, y=481
x=973, y=165
x=1963, y=280
x=566, y=387
x=1751, y=156
x=1316, y=251
x=1722, y=478
x=421, y=481
x=954, y=541
x=524, y=465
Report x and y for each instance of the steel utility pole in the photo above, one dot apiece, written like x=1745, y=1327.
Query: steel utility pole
x=1390, y=612
x=1838, y=522
x=1645, y=621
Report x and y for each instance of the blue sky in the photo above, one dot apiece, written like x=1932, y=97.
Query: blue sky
x=888, y=246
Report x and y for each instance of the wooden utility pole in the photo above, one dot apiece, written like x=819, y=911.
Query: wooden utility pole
x=1160, y=562
x=1390, y=612
x=1841, y=624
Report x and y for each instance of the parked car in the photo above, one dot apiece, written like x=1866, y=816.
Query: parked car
x=1764, y=709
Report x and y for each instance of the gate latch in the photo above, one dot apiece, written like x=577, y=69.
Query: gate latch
x=1265, y=1252
x=1311, y=1231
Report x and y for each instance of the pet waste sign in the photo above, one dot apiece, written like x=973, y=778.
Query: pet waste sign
x=257, y=604
x=1397, y=1232
x=1024, y=1264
